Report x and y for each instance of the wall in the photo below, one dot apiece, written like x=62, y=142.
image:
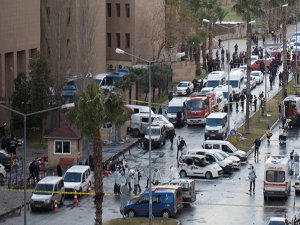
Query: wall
x=183, y=71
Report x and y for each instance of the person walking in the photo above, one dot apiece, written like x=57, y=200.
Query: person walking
x=242, y=98
x=128, y=178
x=116, y=177
x=237, y=103
x=269, y=134
x=31, y=171
x=59, y=170
x=255, y=103
x=135, y=182
x=252, y=177
x=256, y=148
x=250, y=102
x=156, y=177
x=36, y=171
x=171, y=136
x=146, y=174
x=180, y=144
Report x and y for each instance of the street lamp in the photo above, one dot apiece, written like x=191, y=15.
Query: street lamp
x=25, y=115
x=178, y=55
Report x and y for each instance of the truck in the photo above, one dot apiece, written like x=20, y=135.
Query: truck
x=290, y=110
x=198, y=107
x=176, y=105
x=277, y=181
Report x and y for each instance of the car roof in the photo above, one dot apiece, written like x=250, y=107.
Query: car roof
x=280, y=219
x=218, y=115
x=50, y=180
x=177, y=101
x=78, y=168
x=197, y=156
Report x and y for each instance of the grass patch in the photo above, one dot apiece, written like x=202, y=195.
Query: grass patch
x=141, y=221
x=231, y=15
x=259, y=124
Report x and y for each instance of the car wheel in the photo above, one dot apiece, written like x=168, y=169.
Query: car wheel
x=182, y=174
x=62, y=200
x=136, y=133
x=208, y=175
x=131, y=213
x=52, y=206
x=33, y=209
x=166, y=214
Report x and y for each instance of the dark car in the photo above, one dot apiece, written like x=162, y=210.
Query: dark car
x=5, y=160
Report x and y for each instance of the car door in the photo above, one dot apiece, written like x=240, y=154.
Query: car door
x=197, y=167
x=142, y=206
x=226, y=149
x=84, y=182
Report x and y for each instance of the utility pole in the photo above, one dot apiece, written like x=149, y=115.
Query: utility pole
x=285, y=71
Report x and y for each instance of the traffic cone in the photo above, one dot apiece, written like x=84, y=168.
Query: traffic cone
x=55, y=206
x=75, y=201
x=90, y=187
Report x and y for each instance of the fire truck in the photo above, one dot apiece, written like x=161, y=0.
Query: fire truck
x=290, y=108
x=198, y=107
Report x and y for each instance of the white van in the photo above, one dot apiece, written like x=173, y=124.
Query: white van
x=224, y=90
x=140, y=109
x=46, y=192
x=236, y=80
x=101, y=81
x=212, y=156
x=216, y=78
x=277, y=181
x=77, y=178
x=175, y=105
x=196, y=166
x=216, y=126
x=225, y=146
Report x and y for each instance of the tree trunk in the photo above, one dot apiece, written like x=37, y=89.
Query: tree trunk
x=248, y=77
x=197, y=59
x=204, y=48
x=98, y=175
x=285, y=70
x=210, y=40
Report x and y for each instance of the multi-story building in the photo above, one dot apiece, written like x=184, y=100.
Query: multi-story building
x=19, y=40
x=136, y=26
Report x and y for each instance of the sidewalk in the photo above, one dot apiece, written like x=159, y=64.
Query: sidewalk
x=11, y=201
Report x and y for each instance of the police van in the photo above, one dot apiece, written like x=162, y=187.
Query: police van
x=176, y=105
x=277, y=181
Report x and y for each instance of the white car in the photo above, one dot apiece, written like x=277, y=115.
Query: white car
x=252, y=82
x=2, y=172
x=297, y=185
x=206, y=90
x=184, y=88
x=236, y=162
x=258, y=76
x=196, y=166
x=161, y=120
x=278, y=221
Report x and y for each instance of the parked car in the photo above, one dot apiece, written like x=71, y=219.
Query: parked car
x=297, y=185
x=158, y=136
x=184, y=88
x=161, y=120
x=5, y=160
x=236, y=162
x=2, y=173
x=255, y=65
x=258, y=76
x=196, y=166
x=252, y=83
x=278, y=221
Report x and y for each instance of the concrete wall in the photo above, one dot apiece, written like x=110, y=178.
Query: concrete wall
x=19, y=36
x=183, y=71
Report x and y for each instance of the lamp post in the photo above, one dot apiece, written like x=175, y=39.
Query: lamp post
x=150, y=63
x=25, y=115
x=285, y=72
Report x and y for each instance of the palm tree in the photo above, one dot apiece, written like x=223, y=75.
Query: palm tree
x=93, y=110
x=248, y=9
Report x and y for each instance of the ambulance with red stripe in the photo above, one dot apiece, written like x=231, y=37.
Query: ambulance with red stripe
x=277, y=182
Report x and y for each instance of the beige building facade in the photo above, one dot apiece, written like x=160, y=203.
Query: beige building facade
x=137, y=27
x=19, y=41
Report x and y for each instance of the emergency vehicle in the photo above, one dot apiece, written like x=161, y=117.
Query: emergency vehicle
x=277, y=182
x=290, y=110
x=198, y=107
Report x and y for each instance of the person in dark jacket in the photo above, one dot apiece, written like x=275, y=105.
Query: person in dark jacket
x=31, y=171
x=59, y=170
x=36, y=171
x=242, y=98
x=160, y=110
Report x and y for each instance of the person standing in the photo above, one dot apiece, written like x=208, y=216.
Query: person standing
x=242, y=97
x=135, y=182
x=156, y=177
x=116, y=177
x=127, y=178
x=37, y=171
x=237, y=103
x=269, y=134
x=146, y=174
x=252, y=177
x=255, y=103
x=160, y=110
x=172, y=135
x=59, y=170
x=31, y=171
x=256, y=148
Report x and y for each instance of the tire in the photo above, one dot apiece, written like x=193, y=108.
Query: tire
x=131, y=213
x=33, y=209
x=165, y=213
x=62, y=200
x=182, y=174
x=136, y=133
x=52, y=206
x=208, y=175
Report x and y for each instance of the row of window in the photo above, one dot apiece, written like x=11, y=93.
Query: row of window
x=118, y=9
x=118, y=40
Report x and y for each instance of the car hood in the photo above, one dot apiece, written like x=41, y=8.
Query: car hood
x=72, y=184
x=234, y=158
x=152, y=136
x=181, y=88
x=215, y=166
x=171, y=115
x=211, y=128
x=241, y=153
x=40, y=197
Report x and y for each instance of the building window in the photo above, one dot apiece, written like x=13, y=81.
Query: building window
x=108, y=6
x=127, y=8
x=108, y=40
x=118, y=39
x=118, y=9
x=127, y=37
x=62, y=147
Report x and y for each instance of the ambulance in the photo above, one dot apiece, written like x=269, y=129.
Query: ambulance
x=277, y=182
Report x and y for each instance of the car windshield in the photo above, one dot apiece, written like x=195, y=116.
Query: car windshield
x=225, y=94
x=154, y=131
x=214, y=122
x=174, y=109
x=224, y=154
x=256, y=74
x=297, y=44
x=213, y=83
x=219, y=156
x=182, y=85
x=275, y=176
x=194, y=105
x=45, y=189
x=72, y=177
x=233, y=83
